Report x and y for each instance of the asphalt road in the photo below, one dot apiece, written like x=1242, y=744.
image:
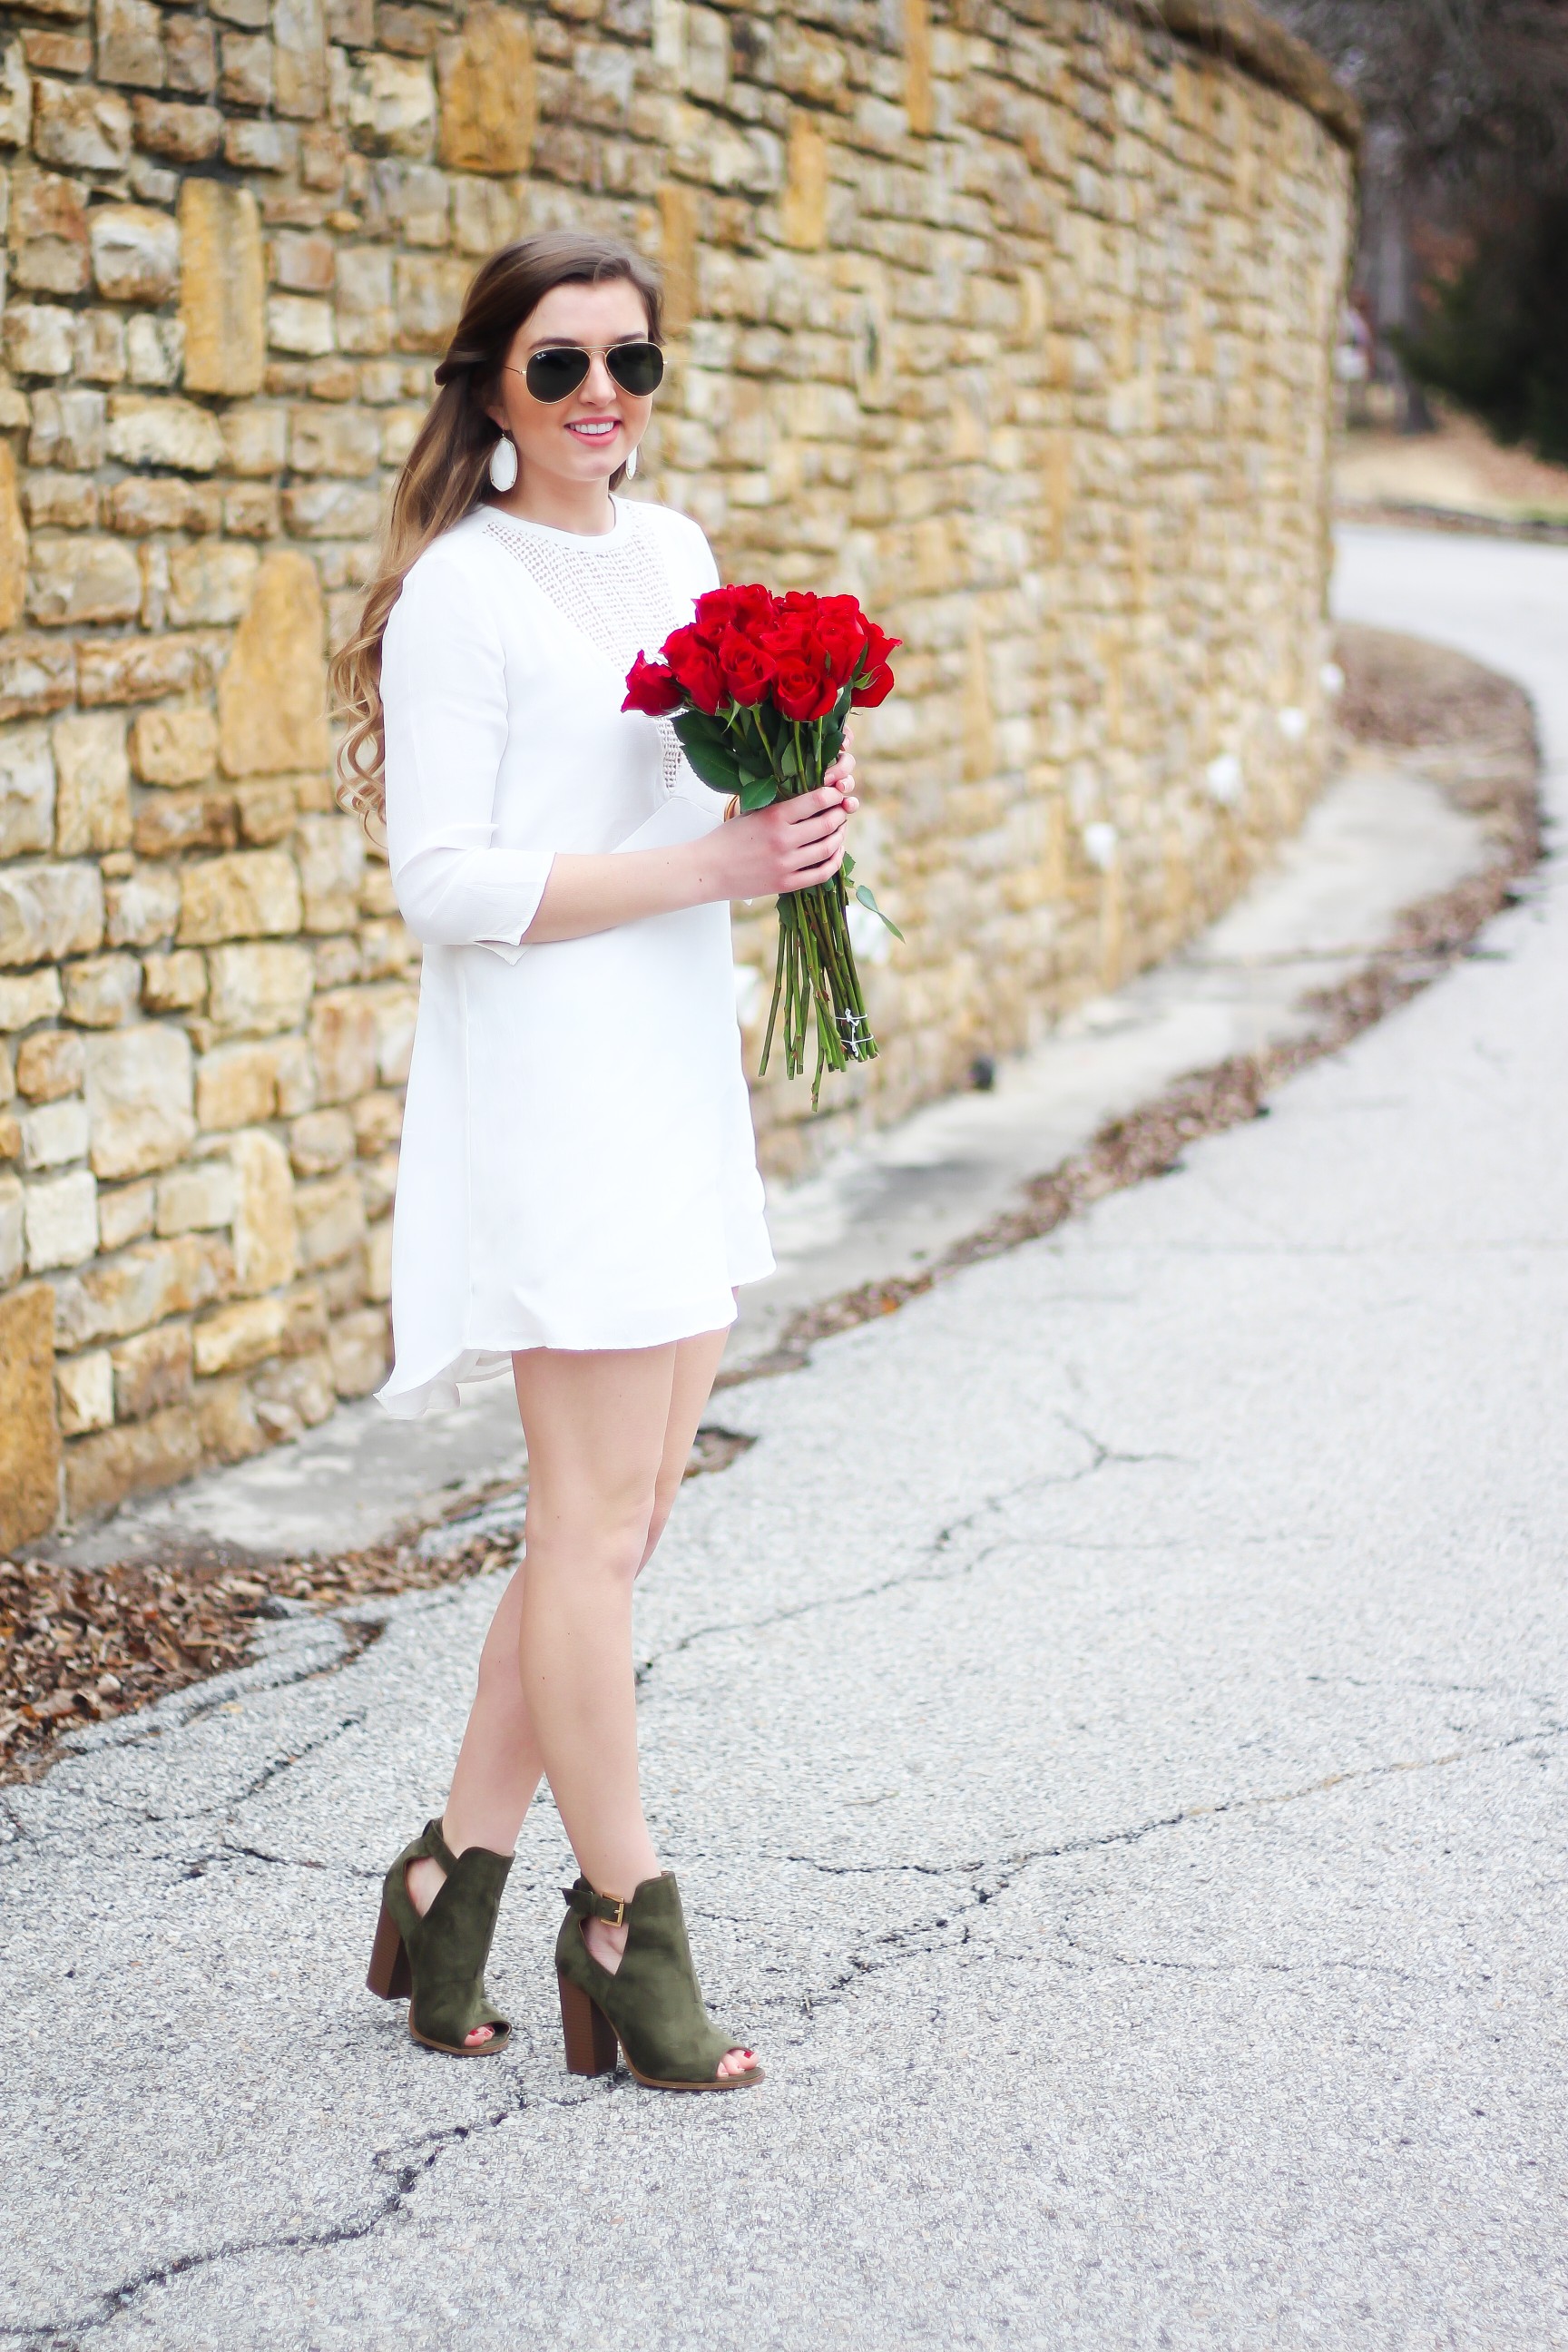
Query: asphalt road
x=1110, y=1730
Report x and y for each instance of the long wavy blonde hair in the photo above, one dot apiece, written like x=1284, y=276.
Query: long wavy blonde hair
x=449, y=466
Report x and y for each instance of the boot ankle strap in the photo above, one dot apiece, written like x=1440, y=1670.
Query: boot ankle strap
x=585, y=1902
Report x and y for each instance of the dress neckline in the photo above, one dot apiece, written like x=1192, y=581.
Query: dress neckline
x=591, y=543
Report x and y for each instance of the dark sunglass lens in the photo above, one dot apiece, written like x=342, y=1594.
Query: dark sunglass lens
x=555, y=376
x=638, y=368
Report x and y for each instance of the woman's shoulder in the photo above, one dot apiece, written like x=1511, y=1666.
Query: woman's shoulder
x=684, y=541
x=446, y=571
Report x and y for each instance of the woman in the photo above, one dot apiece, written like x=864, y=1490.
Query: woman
x=578, y=1196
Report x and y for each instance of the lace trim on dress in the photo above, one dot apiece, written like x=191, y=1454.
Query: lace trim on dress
x=621, y=598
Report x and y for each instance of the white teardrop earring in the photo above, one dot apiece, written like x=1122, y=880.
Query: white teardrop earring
x=631, y=465
x=504, y=465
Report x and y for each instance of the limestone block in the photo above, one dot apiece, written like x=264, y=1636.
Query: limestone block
x=302, y=264
x=331, y=1215
x=61, y=501
x=29, y=996
x=267, y=810
x=178, y=821
x=135, y=670
x=488, y=101
x=272, y=695
x=678, y=254
x=253, y=146
x=140, y=505
x=293, y=1397
x=331, y=853
x=50, y=1064
x=27, y=791
x=135, y=253
x=68, y=426
x=253, y=894
x=226, y=1416
x=253, y=511
x=378, y=1121
x=485, y=214
x=331, y=511
x=300, y=60
x=99, y=341
x=13, y=1233
x=145, y=1285
x=152, y=1371
x=92, y=808
x=803, y=214
x=196, y=1198
x=138, y=1098
x=245, y=69
x=190, y=54
x=131, y=43
x=84, y=1390
x=391, y=107
x=61, y=1215
x=146, y=431
x=177, y=982
x=334, y=441
x=75, y=578
x=82, y=128
x=185, y=134
x=53, y=1135
x=13, y=543
x=235, y=1085
x=378, y=1261
x=222, y=288
x=232, y=1337
x=140, y=908
x=155, y=350
x=396, y=1011
x=359, y=1351
x=30, y=1430
x=429, y=294
x=15, y=96
x=46, y=232
x=256, y=439
x=37, y=339
x=255, y=990
x=378, y=1184
x=344, y=1043
x=134, y=1459
x=210, y=583
x=365, y=317
x=48, y=912
x=320, y=1142
x=301, y=323
x=266, y=1233
x=7, y=1074
x=102, y=992
x=173, y=746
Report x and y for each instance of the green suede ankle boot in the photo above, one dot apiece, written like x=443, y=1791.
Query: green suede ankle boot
x=652, y=2005
x=437, y=1962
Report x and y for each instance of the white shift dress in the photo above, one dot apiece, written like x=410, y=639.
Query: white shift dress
x=578, y=1169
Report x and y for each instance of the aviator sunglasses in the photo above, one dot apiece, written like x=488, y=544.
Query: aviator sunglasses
x=556, y=373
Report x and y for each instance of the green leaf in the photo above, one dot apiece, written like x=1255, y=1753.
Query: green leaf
x=848, y=869
x=789, y=765
x=698, y=727
x=866, y=899
x=712, y=763
x=760, y=795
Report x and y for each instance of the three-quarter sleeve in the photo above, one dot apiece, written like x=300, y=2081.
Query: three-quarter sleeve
x=443, y=690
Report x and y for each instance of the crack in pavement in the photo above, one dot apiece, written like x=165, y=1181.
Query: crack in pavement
x=1102, y=1456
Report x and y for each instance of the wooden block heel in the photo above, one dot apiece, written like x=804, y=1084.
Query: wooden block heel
x=389, y=1974
x=591, y=2045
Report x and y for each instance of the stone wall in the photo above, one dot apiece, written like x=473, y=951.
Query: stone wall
x=1014, y=319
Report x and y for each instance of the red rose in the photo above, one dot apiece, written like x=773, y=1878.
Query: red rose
x=874, y=688
x=748, y=672
x=743, y=609
x=785, y=636
x=697, y=667
x=841, y=632
x=652, y=687
x=803, y=689
x=878, y=646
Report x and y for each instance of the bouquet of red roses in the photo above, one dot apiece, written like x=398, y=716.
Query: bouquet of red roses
x=759, y=689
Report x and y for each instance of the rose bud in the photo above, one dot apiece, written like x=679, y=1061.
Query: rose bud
x=653, y=688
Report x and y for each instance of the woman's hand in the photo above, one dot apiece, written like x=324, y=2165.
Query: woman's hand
x=797, y=842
